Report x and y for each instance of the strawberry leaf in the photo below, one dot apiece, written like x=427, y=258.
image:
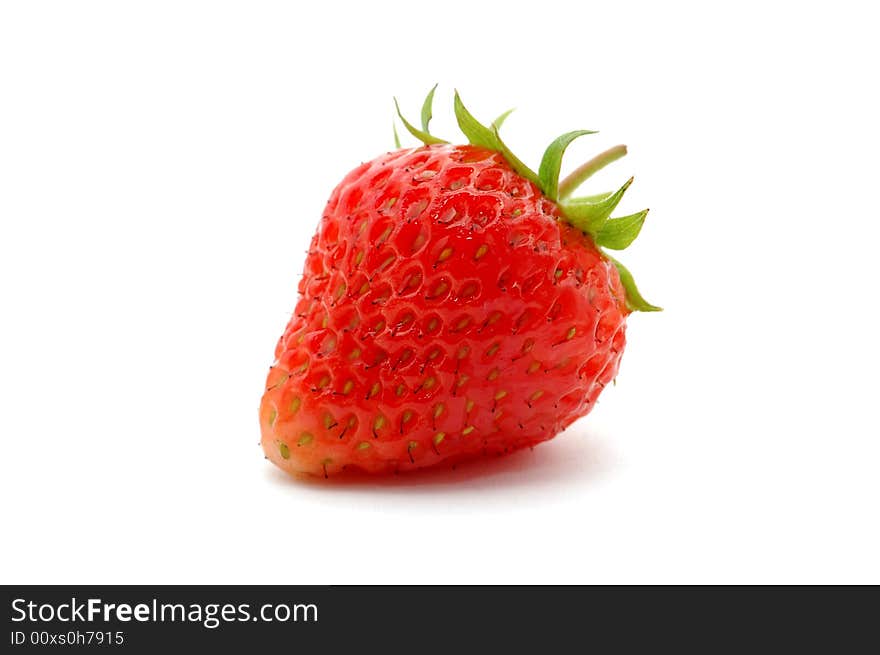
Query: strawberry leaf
x=551, y=162
x=498, y=122
x=595, y=198
x=634, y=300
x=514, y=161
x=427, y=113
x=589, y=216
x=424, y=137
x=619, y=233
x=477, y=134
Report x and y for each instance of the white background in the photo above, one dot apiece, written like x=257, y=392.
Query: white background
x=163, y=165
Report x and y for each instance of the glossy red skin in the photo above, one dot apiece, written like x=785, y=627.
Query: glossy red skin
x=445, y=312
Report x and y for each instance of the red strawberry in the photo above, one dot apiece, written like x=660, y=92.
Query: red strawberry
x=453, y=304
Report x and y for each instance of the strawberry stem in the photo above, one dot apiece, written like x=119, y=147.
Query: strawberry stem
x=582, y=172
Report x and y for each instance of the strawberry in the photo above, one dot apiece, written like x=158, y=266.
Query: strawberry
x=454, y=303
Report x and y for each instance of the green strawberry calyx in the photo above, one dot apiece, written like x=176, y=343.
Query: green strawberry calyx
x=590, y=214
